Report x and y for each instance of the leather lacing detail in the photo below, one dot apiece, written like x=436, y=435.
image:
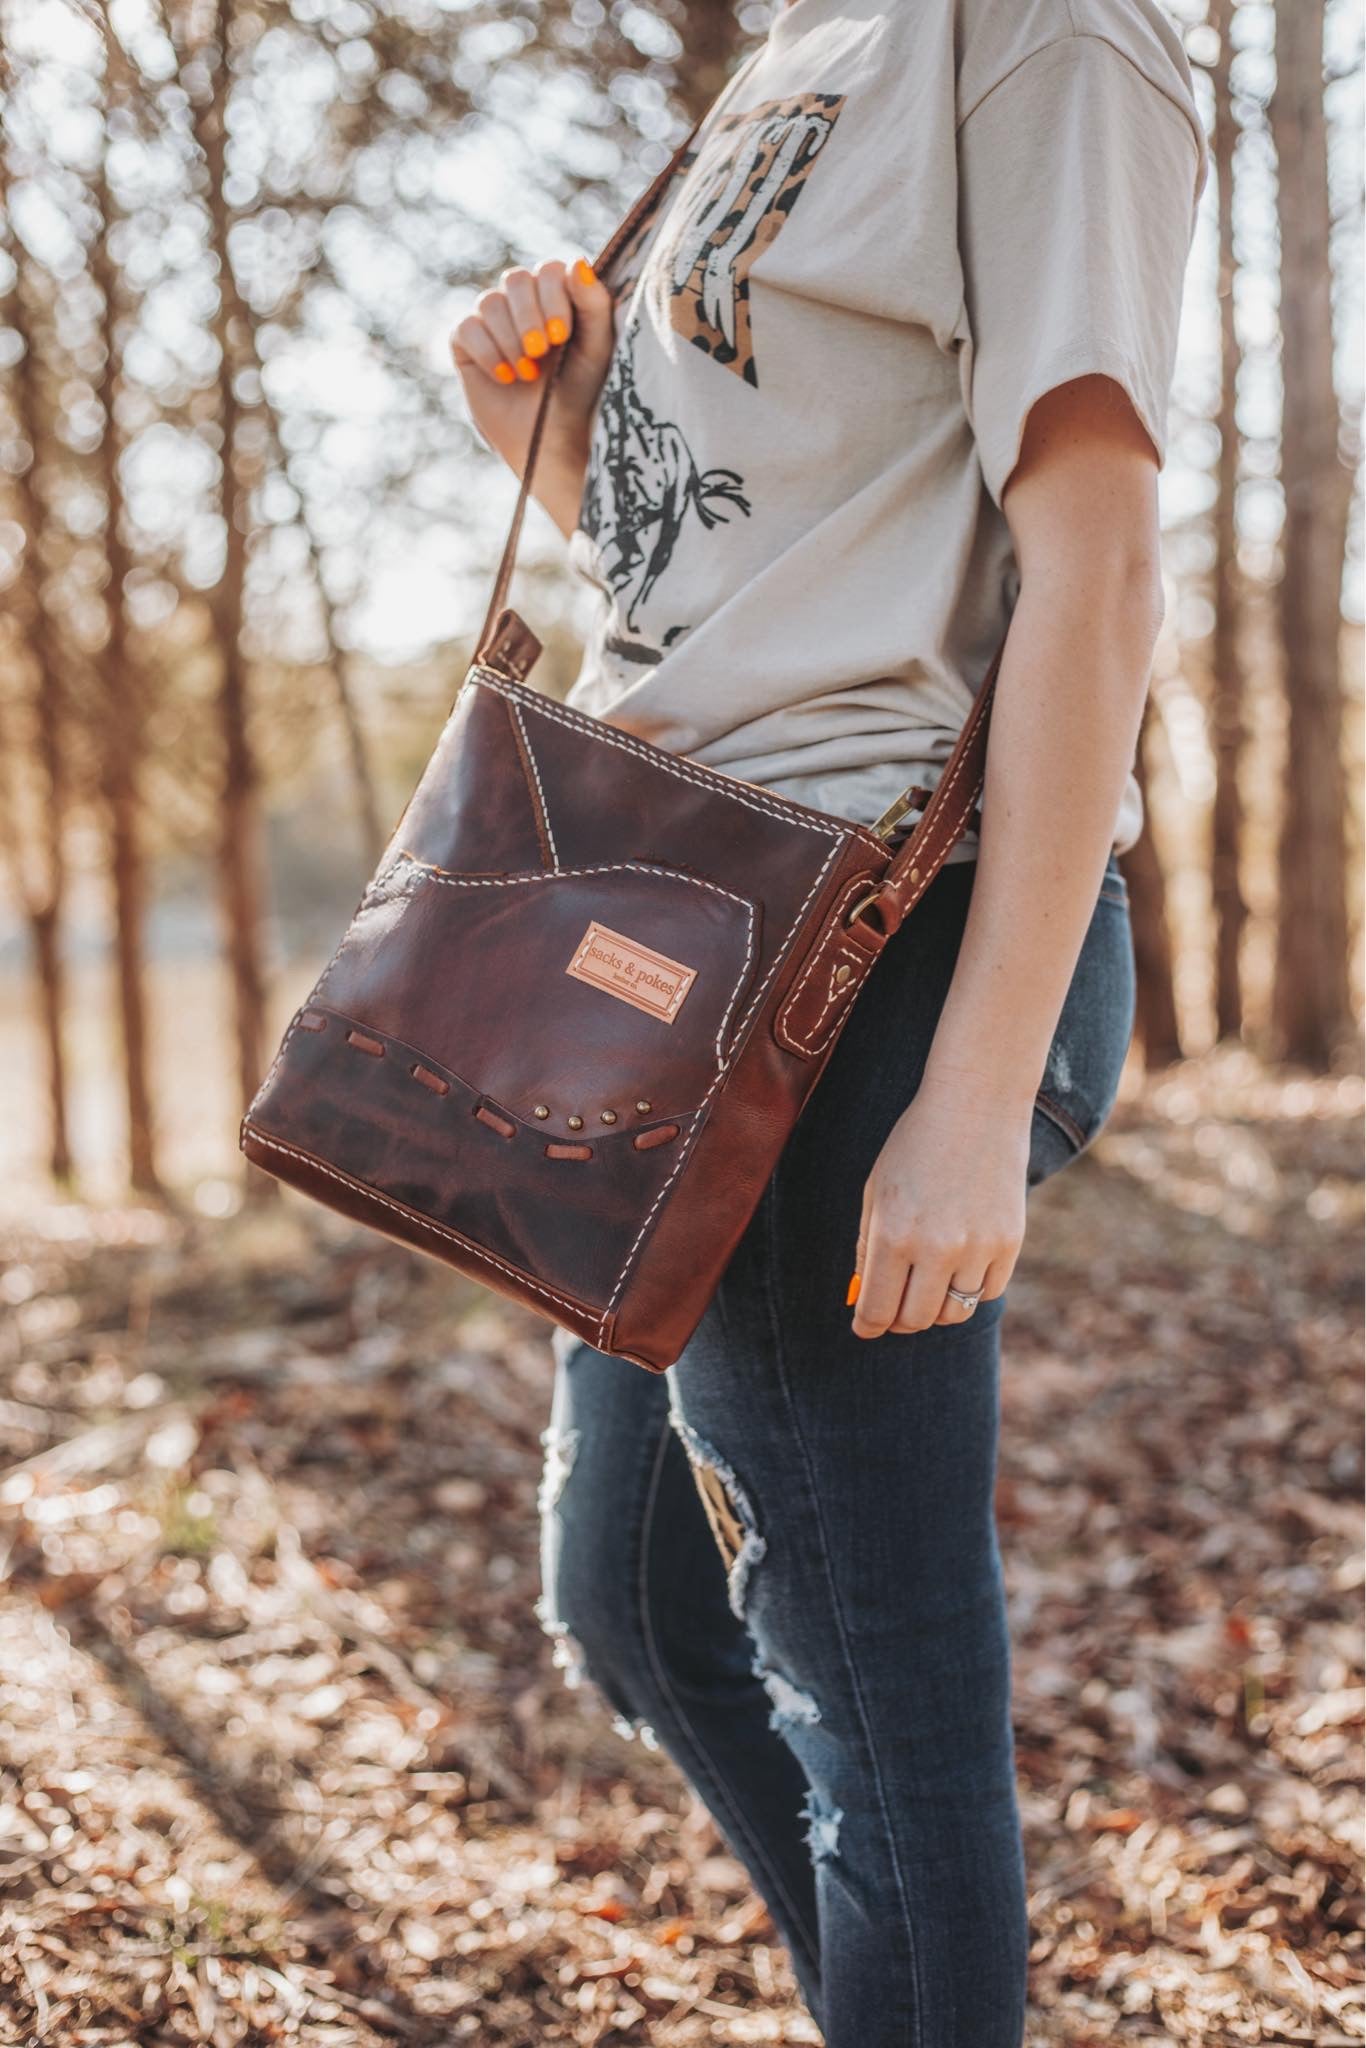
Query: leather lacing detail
x=504, y=1123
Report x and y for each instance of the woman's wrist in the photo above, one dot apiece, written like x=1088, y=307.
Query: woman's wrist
x=561, y=467
x=986, y=1085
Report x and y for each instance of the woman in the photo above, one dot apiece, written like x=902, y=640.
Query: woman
x=890, y=374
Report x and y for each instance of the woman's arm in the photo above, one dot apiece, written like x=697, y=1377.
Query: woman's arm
x=945, y=1203
x=499, y=349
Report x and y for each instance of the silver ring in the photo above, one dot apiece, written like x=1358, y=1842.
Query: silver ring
x=968, y=1301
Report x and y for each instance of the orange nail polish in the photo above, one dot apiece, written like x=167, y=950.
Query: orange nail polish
x=527, y=370
x=854, y=1286
x=534, y=342
x=557, y=329
x=505, y=373
x=585, y=272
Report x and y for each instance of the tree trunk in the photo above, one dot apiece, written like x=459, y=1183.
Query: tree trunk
x=40, y=869
x=1228, y=686
x=372, y=832
x=1311, y=1010
x=1156, y=1024
x=711, y=35
x=121, y=736
x=239, y=848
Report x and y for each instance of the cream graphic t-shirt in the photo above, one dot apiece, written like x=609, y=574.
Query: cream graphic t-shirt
x=903, y=222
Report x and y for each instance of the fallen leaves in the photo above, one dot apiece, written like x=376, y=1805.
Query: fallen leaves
x=286, y=1757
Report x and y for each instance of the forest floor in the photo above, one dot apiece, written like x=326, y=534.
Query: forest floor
x=284, y=1757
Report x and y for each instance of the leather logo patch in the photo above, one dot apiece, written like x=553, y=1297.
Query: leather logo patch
x=636, y=974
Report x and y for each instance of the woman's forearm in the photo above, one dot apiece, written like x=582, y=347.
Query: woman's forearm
x=1069, y=699
x=558, y=485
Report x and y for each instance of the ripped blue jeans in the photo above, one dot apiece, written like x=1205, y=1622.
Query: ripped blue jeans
x=778, y=1561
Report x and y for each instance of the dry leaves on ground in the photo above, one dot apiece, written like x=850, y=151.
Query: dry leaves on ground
x=285, y=1758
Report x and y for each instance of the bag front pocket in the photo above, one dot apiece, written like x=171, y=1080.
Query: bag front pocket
x=597, y=987
x=565, y=1076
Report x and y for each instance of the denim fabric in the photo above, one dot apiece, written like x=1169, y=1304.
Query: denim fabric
x=779, y=1559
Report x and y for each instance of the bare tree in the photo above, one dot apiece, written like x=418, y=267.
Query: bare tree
x=1312, y=1011
x=122, y=722
x=36, y=857
x=240, y=443
x=1156, y=1024
x=1228, y=689
x=711, y=36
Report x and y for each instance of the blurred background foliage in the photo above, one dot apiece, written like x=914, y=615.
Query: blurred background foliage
x=245, y=526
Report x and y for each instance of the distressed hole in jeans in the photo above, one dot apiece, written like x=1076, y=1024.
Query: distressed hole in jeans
x=628, y=1729
x=792, y=1708
x=822, y=1824
x=561, y=1447
x=728, y=1511
x=567, y=1652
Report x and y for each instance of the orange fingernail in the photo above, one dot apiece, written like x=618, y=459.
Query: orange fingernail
x=534, y=342
x=505, y=373
x=557, y=329
x=585, y=272
x=854, y=1285
x=527, y=370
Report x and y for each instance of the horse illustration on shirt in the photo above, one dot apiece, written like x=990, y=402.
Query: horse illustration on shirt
x=642, y=485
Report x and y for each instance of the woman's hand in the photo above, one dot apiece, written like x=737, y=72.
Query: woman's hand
x=943, y=1207
x=499, y=350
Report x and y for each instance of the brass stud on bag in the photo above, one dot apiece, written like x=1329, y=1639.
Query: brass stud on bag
x=608, y=1116
x=575, y=1123
x=842, y=974
x=540, y=1110
x=644, y=1108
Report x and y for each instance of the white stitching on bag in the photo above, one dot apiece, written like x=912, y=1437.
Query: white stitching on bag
x=617, y=867
x=402, y=1209
x=545, y=810
x=962, y=818
x=694, y=771
x=781, y=1032
x=722, y=1071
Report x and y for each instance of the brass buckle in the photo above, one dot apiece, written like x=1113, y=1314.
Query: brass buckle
x=864, y=903
x=884, y=826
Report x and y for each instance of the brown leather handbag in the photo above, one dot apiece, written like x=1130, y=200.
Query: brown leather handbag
x=586, y=995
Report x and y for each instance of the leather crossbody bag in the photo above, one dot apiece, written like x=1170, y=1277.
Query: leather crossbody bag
x=587, y=993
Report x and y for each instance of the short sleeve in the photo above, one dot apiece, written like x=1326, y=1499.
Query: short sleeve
x=1078, y=178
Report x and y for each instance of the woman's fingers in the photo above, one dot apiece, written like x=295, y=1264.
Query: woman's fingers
x=473, y=343
x=953, y=1311
x=524, y=309
x=594, y=309
x=530, y=313
x=903, y=1277
x=557, y=308
x=925, y=1290
x=493, y=309
x=885, y=1290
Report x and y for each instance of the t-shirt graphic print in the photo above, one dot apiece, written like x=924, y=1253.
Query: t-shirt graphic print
x=742, y=186
x=899, y=226
x=642, y=487
x=644, y=484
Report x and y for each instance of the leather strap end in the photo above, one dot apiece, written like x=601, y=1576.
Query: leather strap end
x=510, y=646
